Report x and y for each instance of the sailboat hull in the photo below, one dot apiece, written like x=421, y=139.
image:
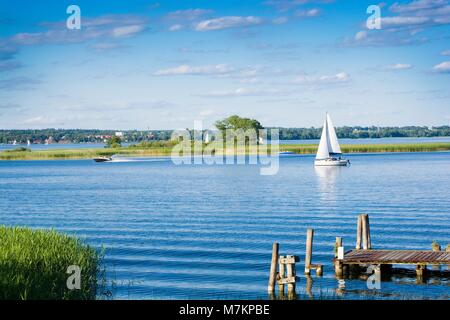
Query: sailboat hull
x=332, y=163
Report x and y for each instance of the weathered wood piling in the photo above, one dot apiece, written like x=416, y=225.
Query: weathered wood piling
x=286, y=274
x=363, y=239
x=308, y=256
x=273, y=268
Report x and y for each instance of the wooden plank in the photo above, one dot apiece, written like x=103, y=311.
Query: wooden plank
x=289, y=260
x=396, y=257
x=287, y=280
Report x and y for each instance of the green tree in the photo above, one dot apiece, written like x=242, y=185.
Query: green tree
x=235, y=123
x=114, y=142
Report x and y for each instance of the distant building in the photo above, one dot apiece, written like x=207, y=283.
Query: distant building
x=119, y=134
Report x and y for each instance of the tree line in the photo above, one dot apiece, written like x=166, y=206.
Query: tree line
x=132, y=136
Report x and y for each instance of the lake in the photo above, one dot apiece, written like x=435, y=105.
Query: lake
x=206, y=232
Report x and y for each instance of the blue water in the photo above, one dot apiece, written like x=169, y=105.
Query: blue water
x=201, y=231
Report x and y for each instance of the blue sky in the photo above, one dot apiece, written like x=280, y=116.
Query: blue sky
x=162, y=65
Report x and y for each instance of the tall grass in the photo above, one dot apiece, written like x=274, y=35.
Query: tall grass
x=165, y=149
x=368, y=148
x=33, y=265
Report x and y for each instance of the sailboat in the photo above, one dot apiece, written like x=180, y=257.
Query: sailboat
x=329, y=153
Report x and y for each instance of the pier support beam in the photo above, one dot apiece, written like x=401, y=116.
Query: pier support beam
x=291, y=274
x=359, y=233
x=281, y=275
x=273, y=268
x=308, y=256
x=337, y=245
x=367, y=243
x=421, y=270
x=339, y=269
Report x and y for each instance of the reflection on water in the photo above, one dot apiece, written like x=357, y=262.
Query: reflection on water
x=327, y=181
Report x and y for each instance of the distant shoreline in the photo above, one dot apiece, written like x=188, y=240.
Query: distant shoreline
x=90, y=153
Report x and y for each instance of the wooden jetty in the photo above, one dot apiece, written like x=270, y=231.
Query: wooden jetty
x=385, y=259
x=420, y=258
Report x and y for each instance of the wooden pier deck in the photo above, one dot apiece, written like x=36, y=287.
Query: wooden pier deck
x=420, y=258
x=396, y=257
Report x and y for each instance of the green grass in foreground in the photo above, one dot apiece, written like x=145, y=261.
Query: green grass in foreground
x=165, y=149
x=33, y=265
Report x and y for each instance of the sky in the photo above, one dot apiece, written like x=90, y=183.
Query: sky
x=142, y=64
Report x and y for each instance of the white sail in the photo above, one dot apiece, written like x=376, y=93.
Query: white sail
x=323, y=152
x=207, y=137
x=333, y=144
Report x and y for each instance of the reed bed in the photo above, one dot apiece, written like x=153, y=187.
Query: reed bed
x=33, y=265
x=166, y=150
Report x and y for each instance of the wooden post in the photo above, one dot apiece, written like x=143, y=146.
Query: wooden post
x=337, y=246
x=421, y=270
x=273, y=268
x=369, y=239
x=281, y=276
x=359, y=233
x=290, y=273
x=319, y=270
x=309, y=244
x=366, y=242
x=436, y=248
x=309, y=285
x=339, y=269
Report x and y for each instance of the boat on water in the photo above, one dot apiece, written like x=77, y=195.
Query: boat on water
x=103, y=159
x=329, y=153
x=285, y=152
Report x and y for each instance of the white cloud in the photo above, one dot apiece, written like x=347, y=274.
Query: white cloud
x=103, y=46
x=187, y=15
x=400, y=66
x=195, y=70
x=127, y=31
x=245, y=92
x=280, y=20
x=389, y=22
x=445, y=53
x=340, y=77
x=417, y=5
x=175, y=27
x=285, y=5
x=227, y=22
x=308, y=13
x=443, y=67
x=360, y=35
